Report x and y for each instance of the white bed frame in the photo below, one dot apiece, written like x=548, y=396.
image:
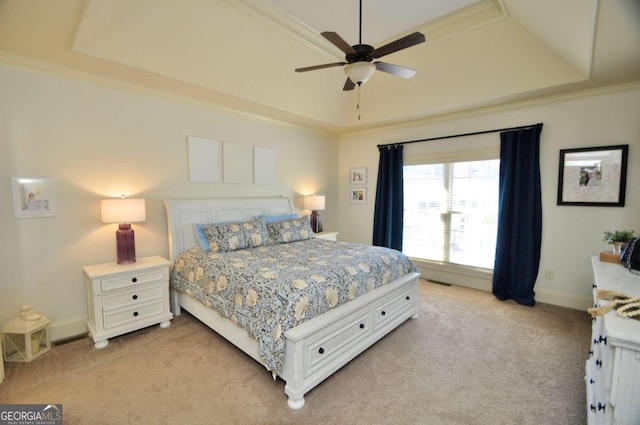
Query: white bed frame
x=317, y=348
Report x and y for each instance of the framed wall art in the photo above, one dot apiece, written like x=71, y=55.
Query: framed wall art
x=358, y=176
x=595, y=176
x=358, y=195
x=33, y=197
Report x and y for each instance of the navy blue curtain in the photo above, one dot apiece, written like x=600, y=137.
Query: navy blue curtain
x=519, y=216
x=389, y=206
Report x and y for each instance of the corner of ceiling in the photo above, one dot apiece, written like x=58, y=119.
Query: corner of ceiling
x=568, y=28
x=467, y=19
x=287, y=24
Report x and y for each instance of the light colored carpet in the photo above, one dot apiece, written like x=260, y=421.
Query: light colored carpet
x=468, y=359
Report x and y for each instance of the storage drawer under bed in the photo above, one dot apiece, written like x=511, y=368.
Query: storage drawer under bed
x=335, y=341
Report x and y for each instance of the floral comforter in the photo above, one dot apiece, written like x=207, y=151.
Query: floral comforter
x=269, y=290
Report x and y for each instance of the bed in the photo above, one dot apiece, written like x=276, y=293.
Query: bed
x=314, y=348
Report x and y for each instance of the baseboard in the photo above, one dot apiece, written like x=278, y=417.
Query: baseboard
x=69, y=328
x=563, y=300
x=475, y=279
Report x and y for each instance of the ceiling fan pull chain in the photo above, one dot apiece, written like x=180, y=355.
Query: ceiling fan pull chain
x=358, y=103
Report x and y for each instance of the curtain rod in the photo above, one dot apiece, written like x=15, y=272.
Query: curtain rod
x=462, y=135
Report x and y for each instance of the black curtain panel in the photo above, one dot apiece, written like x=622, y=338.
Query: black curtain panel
x=389, y=206
x=519, y=216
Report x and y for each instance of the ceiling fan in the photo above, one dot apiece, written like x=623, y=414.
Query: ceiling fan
x=359, y=58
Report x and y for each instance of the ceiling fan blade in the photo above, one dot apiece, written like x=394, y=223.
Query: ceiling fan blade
x=348, y=85
x=399, y=44
x=399, y=71
x=326, y=65
x=338, y=41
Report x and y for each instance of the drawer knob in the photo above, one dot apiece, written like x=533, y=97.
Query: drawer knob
x=383, y=312
x=601, y=406
x=135, y=297
x=592, y=407
x=134, y=280
x=599, y=363
x=135, y=314
x=601, y=339
x=321, y=350
x=361, y=325
x=408, y=297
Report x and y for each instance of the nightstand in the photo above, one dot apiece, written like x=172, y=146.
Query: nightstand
x=328, y=235
x=125, y=298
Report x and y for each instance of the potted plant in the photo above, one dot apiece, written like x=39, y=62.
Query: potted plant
x=618, y=239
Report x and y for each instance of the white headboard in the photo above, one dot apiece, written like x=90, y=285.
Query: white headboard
x=182, y=214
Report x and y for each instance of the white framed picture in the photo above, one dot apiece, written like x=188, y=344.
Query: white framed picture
x=358, y=176
x=33, y=197
x=358, y=195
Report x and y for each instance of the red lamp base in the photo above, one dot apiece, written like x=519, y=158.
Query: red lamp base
x=125, y=244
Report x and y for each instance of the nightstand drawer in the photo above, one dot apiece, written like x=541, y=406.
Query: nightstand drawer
x=132, y=298
x=131, y=279
x=131, y=315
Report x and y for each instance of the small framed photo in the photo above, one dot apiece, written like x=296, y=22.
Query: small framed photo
x=33, y=197
x=595, y=176
x=358, y=176
x=358, y=195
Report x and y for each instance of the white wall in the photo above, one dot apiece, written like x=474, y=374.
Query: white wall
x=97, y=142
x=570, y=234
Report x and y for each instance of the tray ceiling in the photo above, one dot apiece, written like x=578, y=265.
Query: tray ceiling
x=240, y=54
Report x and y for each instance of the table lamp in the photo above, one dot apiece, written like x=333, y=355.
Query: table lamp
x=314, y=203
x=124, y=212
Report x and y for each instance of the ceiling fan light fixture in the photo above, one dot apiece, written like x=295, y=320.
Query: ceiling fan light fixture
x=360, y=72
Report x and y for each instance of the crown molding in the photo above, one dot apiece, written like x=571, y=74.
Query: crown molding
x=216, y=100
x=483, y=108
x=464, y=20
x=287, y=24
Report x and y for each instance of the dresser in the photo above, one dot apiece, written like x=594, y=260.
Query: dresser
x=613, y=368
x=125, y=298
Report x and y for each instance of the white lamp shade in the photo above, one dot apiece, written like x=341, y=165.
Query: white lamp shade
x=119, y=210
x=314, y=202
x=360, y=72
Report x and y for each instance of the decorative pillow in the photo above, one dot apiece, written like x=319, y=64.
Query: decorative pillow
x=296, y=229
x=274, y=218
x=234, y=236
x=201, y=237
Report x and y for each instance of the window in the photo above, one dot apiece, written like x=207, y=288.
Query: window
x=451, y=212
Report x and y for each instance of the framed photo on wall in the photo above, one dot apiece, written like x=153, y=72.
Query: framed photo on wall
x=595, y=176
x=358, y=176
x=33, y=197
x=358, y=195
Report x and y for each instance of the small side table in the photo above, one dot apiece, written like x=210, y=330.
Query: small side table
x=328, y=235
x=125, y=298
x=26, y=336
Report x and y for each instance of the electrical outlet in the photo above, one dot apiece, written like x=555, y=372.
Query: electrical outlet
x=549, y=274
